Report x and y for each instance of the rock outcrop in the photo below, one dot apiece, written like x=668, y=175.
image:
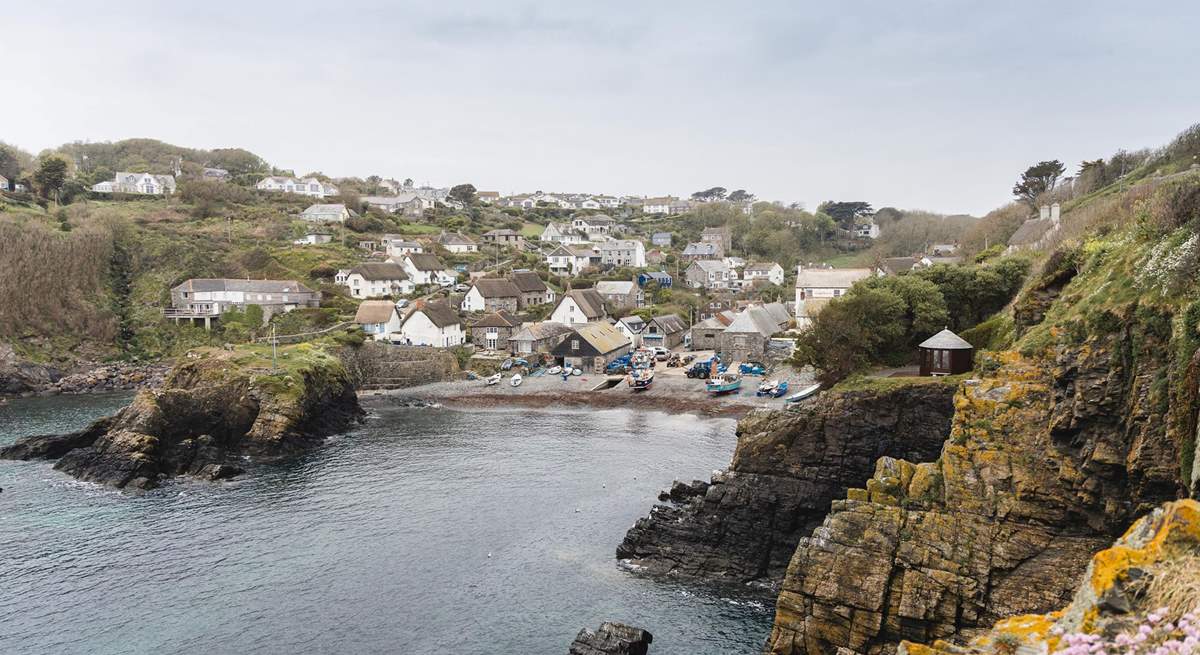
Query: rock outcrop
x=612, y=639
x=20, y=377
x=212, y=410
x=745, y=523
x=1044, y=465
x=1152, y=569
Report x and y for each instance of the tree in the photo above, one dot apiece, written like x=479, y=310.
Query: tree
x=1038, y=179
x=50, y=176
x=740, y=195
x=845, y=213
x=464, y=193
x=710, y=195
x=851, y=333
x=10, y=161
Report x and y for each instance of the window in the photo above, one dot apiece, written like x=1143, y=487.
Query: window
x=574, y=344
x=837, y=292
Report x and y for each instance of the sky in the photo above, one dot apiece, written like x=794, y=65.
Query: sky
x=920, y=105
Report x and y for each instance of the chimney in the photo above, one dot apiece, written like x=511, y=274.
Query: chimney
x=1044, y=212
x=1054, y=213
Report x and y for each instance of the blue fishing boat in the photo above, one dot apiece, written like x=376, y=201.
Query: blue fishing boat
x=640, y=379
x=723, y=383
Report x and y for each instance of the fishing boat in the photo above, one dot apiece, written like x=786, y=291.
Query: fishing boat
x=640, y=379
x=772, y=388
x=516, y=380
x=804, y=393
x=723, y=383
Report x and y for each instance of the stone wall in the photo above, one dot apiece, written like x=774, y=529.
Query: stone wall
x=376, y=366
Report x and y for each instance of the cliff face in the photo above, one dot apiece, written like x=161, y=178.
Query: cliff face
x=211, y=411
x=1047, y=460
x=789, y=465
x=1147, y=578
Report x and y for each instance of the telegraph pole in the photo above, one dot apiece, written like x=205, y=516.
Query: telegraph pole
x=274, y=348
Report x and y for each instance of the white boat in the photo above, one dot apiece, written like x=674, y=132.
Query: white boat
x=804, y=393
x=493, y=379
x=554, y=370
x=576, y=371
x=516, y=380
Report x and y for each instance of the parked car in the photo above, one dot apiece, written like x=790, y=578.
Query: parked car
x=402, y=303
x=462, y=288
x=661, y=353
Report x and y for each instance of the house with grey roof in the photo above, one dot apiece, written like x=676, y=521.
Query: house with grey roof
x=336, y=213
x=621, y=294
x=456, y=243
x=138, y=183
x=492, y=294
x=538, y=338
x=815, y=287
x=431, y=324
x=579, y=306
x=702, y=250
x=747, y=336
x=208, y=298
x=662, y=239
x=378, y=280
x=708, y=274
x=666, y=331
x=309, y=186
x=427, y=268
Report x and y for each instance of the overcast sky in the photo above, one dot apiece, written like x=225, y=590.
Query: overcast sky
x=932, y=105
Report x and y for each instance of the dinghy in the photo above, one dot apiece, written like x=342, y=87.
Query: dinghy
x=804, y=393
x=516, y=380
x=492, y=379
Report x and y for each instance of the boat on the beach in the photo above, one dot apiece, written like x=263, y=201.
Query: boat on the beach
x=506, y=364
x=804, y=393
x=554, y=370
x=516, y=380
x=576, y=371
x=640, y=379
x=723, y=383
x=772, y=388
x=492, y=379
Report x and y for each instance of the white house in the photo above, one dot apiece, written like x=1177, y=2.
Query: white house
x=378, y=318
x=326, y=213
x=708, y=274
x=4, y=183
x=313, y=239
x=408, y=204
x=457, y=243
x=378, y=280
x=562, y=233
x=432, y=324
x=815, y=287
x=594, y=226
x=623, y=252
x=569, y=260
x=426, y=268
x=579, y=306
x=632, y=327
x=140, y=183
x=662, y=205
x=769, y=271
x=398, y=247
x=867, y=230
x=309, y=186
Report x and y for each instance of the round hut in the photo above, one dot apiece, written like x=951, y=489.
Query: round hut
x=946, y=353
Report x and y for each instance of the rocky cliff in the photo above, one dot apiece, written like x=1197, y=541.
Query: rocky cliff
x=1088, y=423
x=789, y=465
x=213, y=409
x=1140, y=596
x=612, y=639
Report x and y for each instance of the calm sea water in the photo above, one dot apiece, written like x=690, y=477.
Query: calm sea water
x=377, y=543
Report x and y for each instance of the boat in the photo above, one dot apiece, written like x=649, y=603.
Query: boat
x=640, y=379
x=506, y=364
x=492, y=379
x=554, y=370
x=804, y=393
x=772, y=388
x=723, y=383
x=576, y=371
x=516, y=380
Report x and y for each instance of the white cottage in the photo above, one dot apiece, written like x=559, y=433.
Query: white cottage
x=378, y=280
x=433, y=324
x=378, y=318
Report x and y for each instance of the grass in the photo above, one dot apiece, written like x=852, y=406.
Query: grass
x=868, y=383
x=531, y=230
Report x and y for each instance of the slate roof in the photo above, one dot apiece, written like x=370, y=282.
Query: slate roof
x=615, y=287
x=380, y=271
x=754, y=319
x=669, y=323
x=454, y=239
x=893, y=265
x=764, y=267
x=778, y=312
x=314, y=210
x=633, y=323
x=711, y=265
x=496, y=287
x=1030, y=232
x=946, y=340
x=251, y=286
x=700, y=248
x=831, y=278
x=374, y=311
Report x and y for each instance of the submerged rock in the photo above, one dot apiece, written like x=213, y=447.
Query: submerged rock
x=211, y=411
x=612, y=639
x=789, y=465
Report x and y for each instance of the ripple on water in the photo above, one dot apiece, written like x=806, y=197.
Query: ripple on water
x=376, y=543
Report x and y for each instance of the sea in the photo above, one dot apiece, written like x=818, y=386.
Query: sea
x=424, y=530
